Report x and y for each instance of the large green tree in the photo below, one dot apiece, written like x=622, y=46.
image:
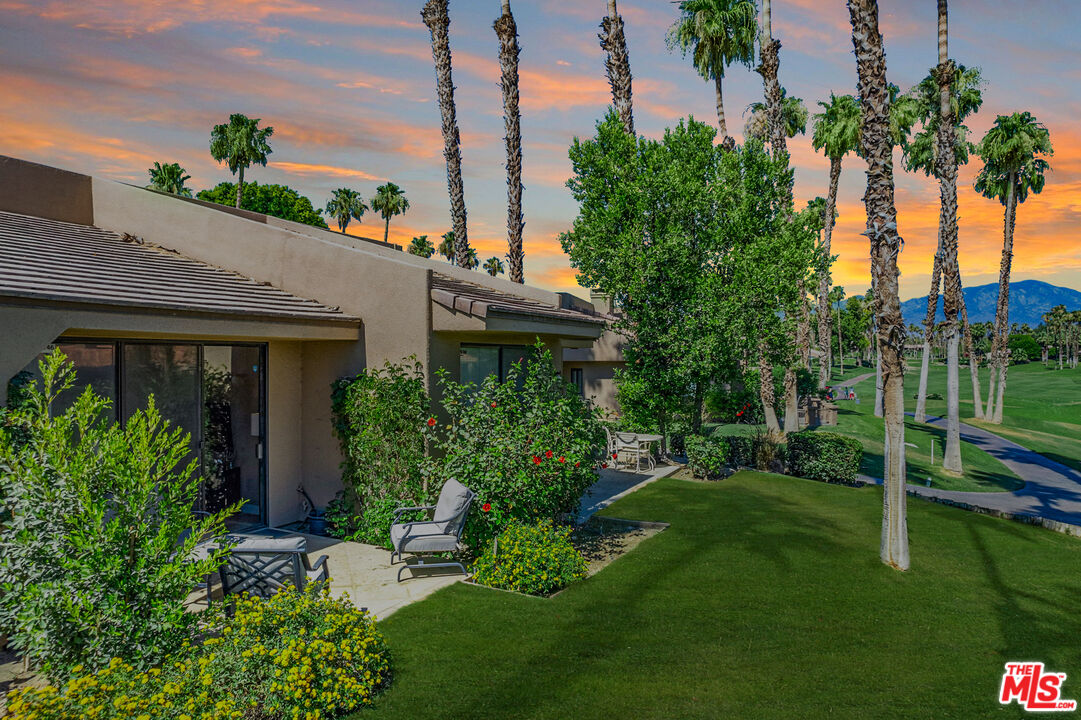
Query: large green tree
x=240, y=143
x=345, y=205
x=1014, y=153
x=836, y=133
x=716, y=33
x=389, y=200
x=170, y=178
x=279, y=201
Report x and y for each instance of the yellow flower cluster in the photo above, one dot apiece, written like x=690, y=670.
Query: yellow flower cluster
x=535, y=559
x=299, y=655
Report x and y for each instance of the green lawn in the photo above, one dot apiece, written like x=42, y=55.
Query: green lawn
x=764, y=599
x=1042, y=412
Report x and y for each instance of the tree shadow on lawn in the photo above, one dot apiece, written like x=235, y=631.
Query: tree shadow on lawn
x=633, y=618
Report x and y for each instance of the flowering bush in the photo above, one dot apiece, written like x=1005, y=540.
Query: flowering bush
x=97, y=559
x=298, y=655
x=526, y=446
x=378, y=418
x=535, y=559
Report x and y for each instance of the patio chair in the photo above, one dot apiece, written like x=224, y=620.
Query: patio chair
x=629, y=447
x=440, y=534
x=263, y=566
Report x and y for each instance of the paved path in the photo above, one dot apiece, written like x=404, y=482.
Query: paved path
x=1051, y=490
x=614, y=484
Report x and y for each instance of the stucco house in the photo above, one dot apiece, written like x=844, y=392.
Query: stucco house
x=238, y=323
x=593, y=368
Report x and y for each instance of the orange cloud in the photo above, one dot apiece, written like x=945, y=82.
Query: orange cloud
x=309, y=169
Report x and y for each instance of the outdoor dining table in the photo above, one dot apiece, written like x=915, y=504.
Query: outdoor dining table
x=643, y=443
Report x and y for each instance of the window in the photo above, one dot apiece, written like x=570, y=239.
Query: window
x=95, y=366
x=578, y=381
x=480, y=361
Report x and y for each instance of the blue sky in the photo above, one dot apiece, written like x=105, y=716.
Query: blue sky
x=109, y=87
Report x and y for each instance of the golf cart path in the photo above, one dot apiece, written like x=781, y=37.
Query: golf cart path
x=1051, y=491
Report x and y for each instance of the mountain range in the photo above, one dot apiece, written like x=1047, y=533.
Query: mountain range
x=1029, y=300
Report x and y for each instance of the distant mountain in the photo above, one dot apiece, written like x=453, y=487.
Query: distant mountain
x=1029, y=300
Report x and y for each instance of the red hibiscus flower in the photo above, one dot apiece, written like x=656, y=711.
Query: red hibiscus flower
x=577, y=464
x=547, y=453
x=536, y=460
x=739, y=413
x=493, y=404
x=486, y=507
x=604, y=466
x=431, y=422
x=562, y=459
x=615, y=456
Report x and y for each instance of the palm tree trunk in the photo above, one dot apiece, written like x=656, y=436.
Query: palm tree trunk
x=722, y=125
x=885, y=246
x=386, y=229
x=437, y=19
x=824, y=281
x=507, y=32
x=840, y=342
x=617, y=63
x=239, y=185
x=878, y=378
x=929, y=328
x=973, y=363
x=766, y=395
x=1002, y=310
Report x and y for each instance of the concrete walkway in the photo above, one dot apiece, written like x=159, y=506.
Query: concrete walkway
x=615, y=484
x=1051, y=491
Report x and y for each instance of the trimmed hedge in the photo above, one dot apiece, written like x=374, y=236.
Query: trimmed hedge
x=706, y=456
x=824, y=456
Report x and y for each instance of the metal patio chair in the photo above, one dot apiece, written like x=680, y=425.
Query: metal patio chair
x=440, y=534
x=263, y=566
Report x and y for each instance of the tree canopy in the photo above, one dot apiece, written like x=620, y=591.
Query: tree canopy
x=279, y=201
x=169, y=178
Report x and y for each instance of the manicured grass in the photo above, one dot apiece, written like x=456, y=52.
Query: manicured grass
x=764, y=599
x=1042, y=410
x=851, y=372
x=982, y=473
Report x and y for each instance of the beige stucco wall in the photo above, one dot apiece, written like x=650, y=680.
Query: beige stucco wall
x=598, y=383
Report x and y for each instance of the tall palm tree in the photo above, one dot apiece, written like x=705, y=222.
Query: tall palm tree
x=169, y=178
x=717, y=33
x=471, y=260
x=446, y=247
x=437, y=18
x=493, y=266
x=345, y=205
x=389, y=200
x=240, y=143
x=618, y=65
x=507, y=32
x=836, y=133
x=885, y=241
x=793, y=116
x=924, y=153
x=1013, y=153
x=421, y=247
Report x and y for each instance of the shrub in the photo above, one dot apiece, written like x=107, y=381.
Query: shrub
x=534, y=559
x=296, y=655
x=379, y=416
x=740, y=449
x=762, y=451
x=706, y=456
x=824, y=456
x=97, y=560
x=526, y=446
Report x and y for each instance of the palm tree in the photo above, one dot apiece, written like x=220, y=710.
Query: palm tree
x=885, y=244
x=717, y=33
x=345, y=205
x=493, y=266
x=471, y=261
x=507, y=32
x=389, y=200
x=437, y=19
x=837, y=133
x=421, y=246
x=240, y=143
x=618, y=65
x=446, y=248
x=836, y=296
x=793, y=115
x=963, y=97
x=1012, y=153
x=169, y=178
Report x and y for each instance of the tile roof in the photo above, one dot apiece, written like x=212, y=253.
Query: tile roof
x=57, y=261
x=479, y=300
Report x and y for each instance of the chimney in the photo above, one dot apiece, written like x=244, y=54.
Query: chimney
x=602, y=302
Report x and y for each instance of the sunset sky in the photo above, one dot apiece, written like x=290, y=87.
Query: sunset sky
x=109, y=86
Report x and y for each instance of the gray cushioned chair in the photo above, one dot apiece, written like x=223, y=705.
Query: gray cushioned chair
x=263, y=566
x=440, y=534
